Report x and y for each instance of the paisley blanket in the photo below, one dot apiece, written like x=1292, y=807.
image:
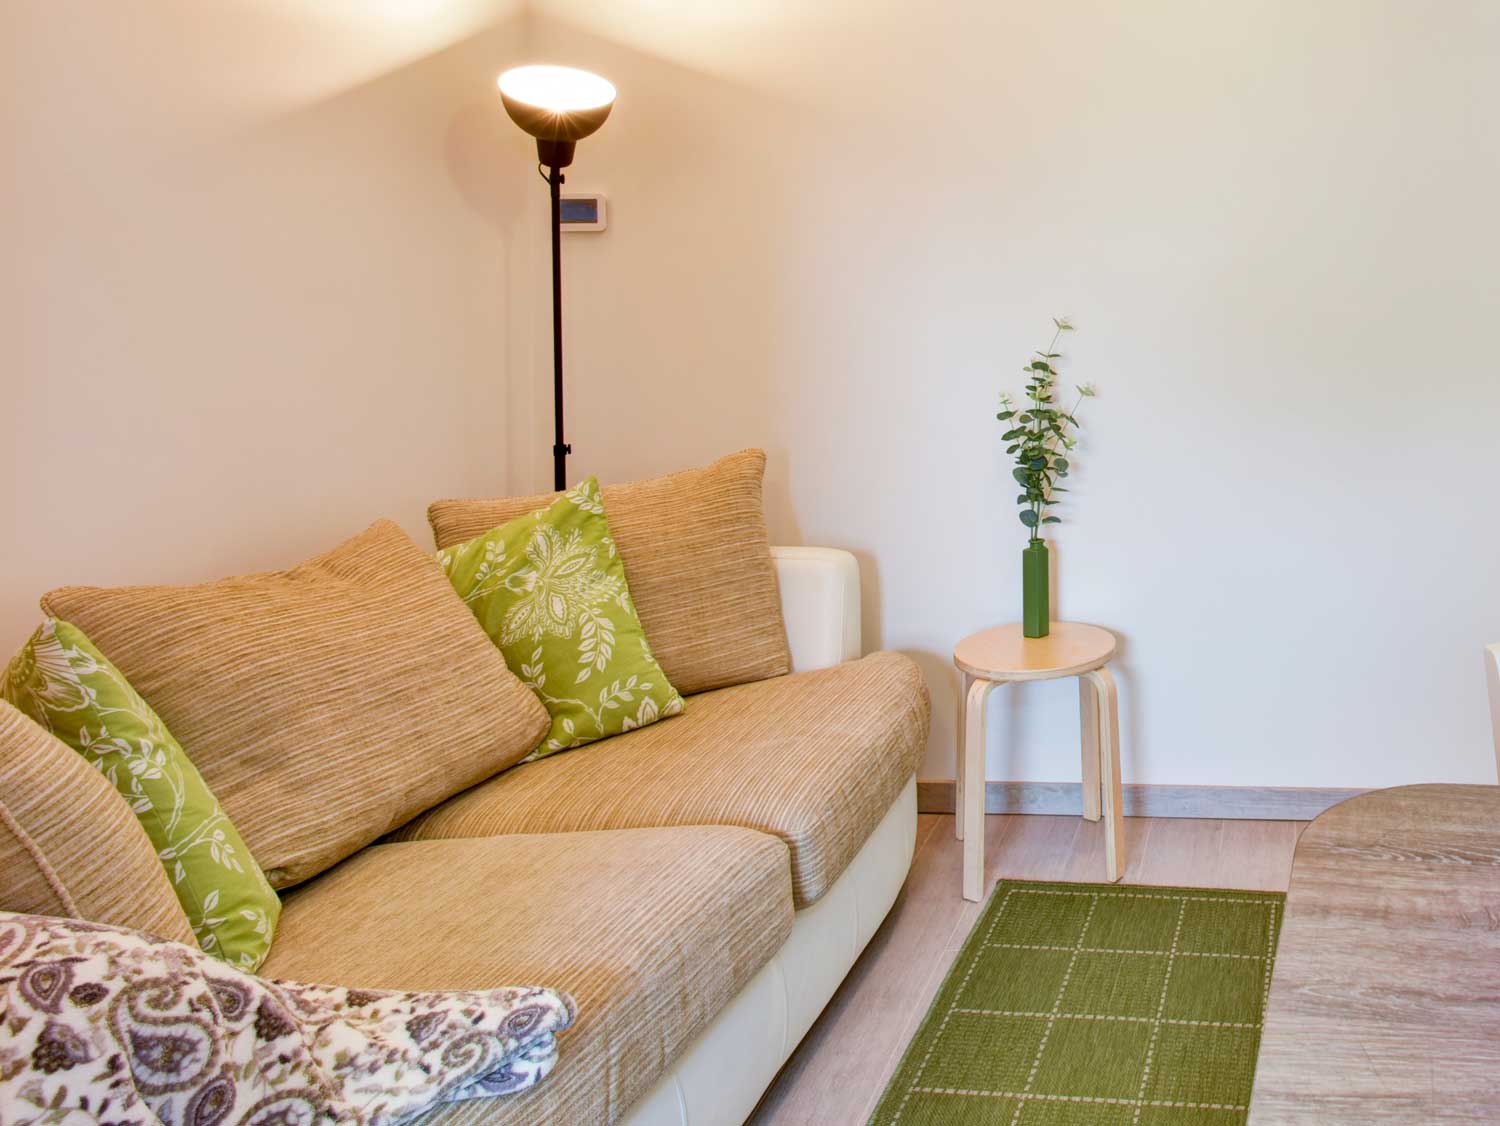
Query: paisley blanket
x=100, y=1024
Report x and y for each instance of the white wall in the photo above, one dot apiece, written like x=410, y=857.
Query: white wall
x=274, y=268
x=837, y=229
x=255, y=289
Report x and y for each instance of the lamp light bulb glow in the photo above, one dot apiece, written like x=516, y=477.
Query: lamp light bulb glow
x=559, y=89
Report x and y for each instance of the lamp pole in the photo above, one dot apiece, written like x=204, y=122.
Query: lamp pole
x=560, y=447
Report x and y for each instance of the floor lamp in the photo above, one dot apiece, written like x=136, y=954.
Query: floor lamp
x=559, y=106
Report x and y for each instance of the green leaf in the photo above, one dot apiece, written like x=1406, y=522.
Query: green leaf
x=1024, y=498
x=1060, y=464
x=1051, y=519
x=1021, y=475
x=1006, y=414
x=1037, y=463
x=1028, y=518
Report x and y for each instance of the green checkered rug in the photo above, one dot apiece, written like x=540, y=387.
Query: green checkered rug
x=1095, y=1005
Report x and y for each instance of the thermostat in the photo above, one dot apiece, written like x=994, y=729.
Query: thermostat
x=582, y=213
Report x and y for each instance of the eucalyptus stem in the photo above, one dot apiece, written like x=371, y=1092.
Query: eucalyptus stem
x=1036, y=434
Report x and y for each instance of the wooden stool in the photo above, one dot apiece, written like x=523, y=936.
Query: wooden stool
x=1001, y=656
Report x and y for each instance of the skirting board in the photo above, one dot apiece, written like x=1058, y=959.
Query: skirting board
x=1245, y=803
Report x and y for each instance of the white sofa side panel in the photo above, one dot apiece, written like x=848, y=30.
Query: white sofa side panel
x=721, y=1076
x=820, y=602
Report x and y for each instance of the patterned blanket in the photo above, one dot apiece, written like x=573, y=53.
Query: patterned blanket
x=100, y=1024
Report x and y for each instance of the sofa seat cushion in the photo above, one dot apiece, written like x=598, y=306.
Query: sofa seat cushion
x=651, y=932
x=815, y=758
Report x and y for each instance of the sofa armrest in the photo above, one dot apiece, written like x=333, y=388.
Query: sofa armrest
x=820, y=602
x=1492, y=676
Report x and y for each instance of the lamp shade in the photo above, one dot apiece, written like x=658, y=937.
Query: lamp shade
x=556, y=103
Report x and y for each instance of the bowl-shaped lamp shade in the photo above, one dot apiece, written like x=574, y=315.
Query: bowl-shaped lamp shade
x=556, y=103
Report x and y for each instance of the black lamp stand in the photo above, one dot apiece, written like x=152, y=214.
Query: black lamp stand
x=555, y=156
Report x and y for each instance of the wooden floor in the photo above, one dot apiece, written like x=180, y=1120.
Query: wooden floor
x=838, y=1072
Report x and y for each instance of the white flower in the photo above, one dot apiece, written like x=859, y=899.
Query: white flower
x=1087, y=390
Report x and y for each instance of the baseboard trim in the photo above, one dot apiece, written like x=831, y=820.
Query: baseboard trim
x=1246, y=803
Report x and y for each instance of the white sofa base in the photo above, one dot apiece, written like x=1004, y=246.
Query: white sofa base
x=721, y=1076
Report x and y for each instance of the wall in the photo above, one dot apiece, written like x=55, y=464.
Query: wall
x=838, y=229
x=255, y=289
x=272, y=269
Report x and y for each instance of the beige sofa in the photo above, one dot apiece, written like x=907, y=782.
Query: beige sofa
x=700, y=886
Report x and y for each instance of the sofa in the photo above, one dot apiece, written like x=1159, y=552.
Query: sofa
x=700, y=886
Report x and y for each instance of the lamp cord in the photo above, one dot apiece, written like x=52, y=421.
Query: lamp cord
x=541, y=170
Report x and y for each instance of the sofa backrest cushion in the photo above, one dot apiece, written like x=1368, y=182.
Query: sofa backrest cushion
x=326, y=704
x=69, y=845
x=698, y=560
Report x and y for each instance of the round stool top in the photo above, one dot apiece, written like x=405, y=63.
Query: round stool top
x=1003, y=653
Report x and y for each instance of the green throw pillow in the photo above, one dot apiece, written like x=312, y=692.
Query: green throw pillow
x=550, y=591
x=60, y=680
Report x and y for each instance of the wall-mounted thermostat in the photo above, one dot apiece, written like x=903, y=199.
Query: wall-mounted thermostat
x=582, y=213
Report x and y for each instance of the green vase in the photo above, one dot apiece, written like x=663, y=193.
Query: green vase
x=1036, y=610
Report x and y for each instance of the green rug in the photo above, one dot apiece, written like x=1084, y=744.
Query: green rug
x=1096, y=1005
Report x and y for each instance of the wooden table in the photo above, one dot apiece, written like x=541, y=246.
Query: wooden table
x=1003, y=656
x=1385, y=1002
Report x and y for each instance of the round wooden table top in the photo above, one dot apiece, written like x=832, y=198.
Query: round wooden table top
x=1003, y=653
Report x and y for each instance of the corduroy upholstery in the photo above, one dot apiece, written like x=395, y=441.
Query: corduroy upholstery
x=69, y=845
x=651, y=931
x=816, y=759
x=326, y=704
x=698, y=561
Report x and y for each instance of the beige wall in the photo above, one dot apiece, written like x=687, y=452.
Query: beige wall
x=273, y=268
x=255, y=288
x=838, y=229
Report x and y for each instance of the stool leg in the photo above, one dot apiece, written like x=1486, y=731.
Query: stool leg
x=1107, y=700
x=1088, y=730
x=964, y=680
x=974, y=744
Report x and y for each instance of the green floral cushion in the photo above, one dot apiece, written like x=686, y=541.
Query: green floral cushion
x=65, y=684
x=550, y=591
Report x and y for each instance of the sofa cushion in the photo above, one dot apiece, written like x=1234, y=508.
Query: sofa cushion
x=64, y=683
x=325, y=704
x=816, y=758
x=550, y=591
x=698, y=560
x=69, y=845
x=651, y=932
